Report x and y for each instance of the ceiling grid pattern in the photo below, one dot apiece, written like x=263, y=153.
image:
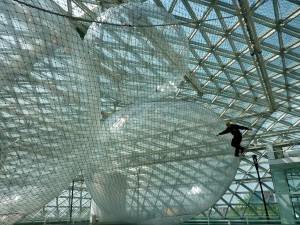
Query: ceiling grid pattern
x=224, y=76
x=227, y=80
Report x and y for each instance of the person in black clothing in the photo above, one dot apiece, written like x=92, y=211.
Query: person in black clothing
x=234, y=129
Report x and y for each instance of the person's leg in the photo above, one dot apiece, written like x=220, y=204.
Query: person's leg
x=237, y=151
x=239, y=143
x=235, y=144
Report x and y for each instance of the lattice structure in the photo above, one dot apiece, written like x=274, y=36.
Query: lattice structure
x=243, y=63
x=73, y=204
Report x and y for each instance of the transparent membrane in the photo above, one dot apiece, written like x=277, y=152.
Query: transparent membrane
x=160, y=163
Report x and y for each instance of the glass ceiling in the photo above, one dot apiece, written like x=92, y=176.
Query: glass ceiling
x=240, y=74
x=244, y=61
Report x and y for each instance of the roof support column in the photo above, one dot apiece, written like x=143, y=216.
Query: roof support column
x=282, y=191
x=245, y=19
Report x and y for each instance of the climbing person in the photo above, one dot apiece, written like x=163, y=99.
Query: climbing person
x=234, y=129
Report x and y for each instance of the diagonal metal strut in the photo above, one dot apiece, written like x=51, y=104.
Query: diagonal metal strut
x=249, y=30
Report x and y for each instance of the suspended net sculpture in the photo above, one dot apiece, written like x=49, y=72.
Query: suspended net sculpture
x=160, y=163
x=140, y=51
x=49, y=104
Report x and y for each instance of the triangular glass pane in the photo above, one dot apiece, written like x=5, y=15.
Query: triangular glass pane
x=230, y=89
x=210, y=85
x=225, y=45
x=288, y=39
x=251, y=2
x=277, y=62
x=212, y=58
x=201, y=74
x=239, y=30
x=180, y=10
x=272, y=39
x=296, y=50
x=270, y=74
x=235, y=65
x=201, y=71
x=224, y=59
x=235, y=199
x=267, y=54
x=229, y=19
x=216, y=109
x=187, y=30
x=290, y=63
x=198, y=9
x=227, y=1
x=277, y=114
x=200, y=53
x=234, y=77
x=213, y=19
x=166, y=4
x=212, y=71
x=279, y=79
x=248, y=66
x=240, y=46
x=261, y=29
x=62, y=4
x=266, y=9
x=224, y=76
x=198, y=37
x=77, y=11
x=285, y=8
x=295, y=22
x=213, y=38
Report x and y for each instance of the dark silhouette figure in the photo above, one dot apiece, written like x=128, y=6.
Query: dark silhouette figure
x=234, y=129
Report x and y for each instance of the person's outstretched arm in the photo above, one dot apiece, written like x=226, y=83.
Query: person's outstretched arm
x=226, y=131
x=243, y=128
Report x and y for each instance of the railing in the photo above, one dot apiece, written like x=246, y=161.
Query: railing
x=242, y=221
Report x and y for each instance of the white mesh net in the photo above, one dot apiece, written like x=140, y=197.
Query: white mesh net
x=139, y=51
x=152, y=162
x=49, y=107
x=160, y=163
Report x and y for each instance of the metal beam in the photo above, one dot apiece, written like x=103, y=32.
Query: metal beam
x=86, y=10
x=194, y=83
x=80, y=26
x=275, y=145
x=247, y=24
x=261, y=114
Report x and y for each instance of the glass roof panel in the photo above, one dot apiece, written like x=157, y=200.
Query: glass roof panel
x=272, y=39
x=294, y=22
x=180, y=10
x=198, y=9
x=261, y=29
x=238, y=30
x=289, y=39
x=166, y=3
x=264, y=9
x=212, y=19
x=229, y=19
x=286, y=7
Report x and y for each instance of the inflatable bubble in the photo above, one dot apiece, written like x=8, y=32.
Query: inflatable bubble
x=49, y=107
x=141, y=52
x=160, y=163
